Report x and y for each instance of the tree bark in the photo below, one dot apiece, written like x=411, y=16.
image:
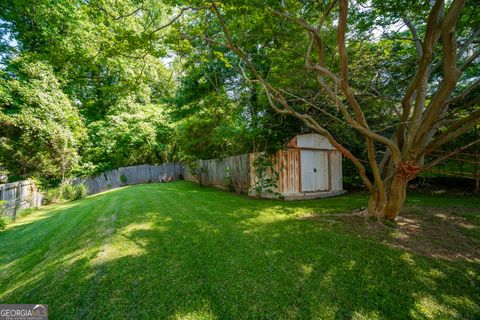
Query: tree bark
x=394, y=186
x=397, y=193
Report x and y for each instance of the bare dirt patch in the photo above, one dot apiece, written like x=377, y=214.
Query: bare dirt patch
x=442, y=233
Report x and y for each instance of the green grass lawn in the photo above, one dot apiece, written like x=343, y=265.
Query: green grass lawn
x=178, y=251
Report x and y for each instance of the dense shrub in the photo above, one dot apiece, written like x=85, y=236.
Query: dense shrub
x=81, y=191
x=74, y=192
x=51, y=196
x=68, y=192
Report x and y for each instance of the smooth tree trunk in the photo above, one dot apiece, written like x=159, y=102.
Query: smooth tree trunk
x=389, y=208
x=395, y=192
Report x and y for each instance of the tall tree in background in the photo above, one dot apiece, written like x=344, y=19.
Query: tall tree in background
x=104, y=58
x=40, y=129
x=436, y=67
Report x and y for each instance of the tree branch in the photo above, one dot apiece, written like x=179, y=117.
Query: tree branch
x=464, y=93
x=469, y=60
x=438, y=160
x=275, y=95
x=432, y=35
x=416, y=39
x=456, y=129
x=450, y=73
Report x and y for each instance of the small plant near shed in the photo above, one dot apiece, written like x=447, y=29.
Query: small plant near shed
x=267, y=176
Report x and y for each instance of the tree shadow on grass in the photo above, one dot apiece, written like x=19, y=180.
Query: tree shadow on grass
x=201, y=255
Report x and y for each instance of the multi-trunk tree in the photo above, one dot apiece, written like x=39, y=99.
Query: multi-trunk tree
x=433, y=70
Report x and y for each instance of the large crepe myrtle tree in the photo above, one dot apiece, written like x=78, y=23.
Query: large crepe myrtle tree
x=427, y=105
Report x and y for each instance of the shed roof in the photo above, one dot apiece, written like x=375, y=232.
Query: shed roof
x=310, y=141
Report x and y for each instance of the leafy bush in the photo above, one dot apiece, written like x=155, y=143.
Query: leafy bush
x=81, y=191
x=68, y=192
x=4, y=221
x=266, y=175
x=74, y=192
x=51, y=195
x=123, y=179
x=199, y=172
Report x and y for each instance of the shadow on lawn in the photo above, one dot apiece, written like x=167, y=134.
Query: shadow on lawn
x=201, y=255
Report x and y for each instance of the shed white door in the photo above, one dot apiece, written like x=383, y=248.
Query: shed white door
x=314, y=167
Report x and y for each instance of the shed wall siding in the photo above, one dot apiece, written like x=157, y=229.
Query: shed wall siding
x=288, y=168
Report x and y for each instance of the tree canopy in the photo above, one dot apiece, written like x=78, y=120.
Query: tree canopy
x=92, y=85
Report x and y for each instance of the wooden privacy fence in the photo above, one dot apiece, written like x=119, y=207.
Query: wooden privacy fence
x=226, y=173
x=19, y=195
x=132, y=175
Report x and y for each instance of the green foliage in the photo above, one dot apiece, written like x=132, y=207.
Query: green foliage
x=123, y=179
x=228, y=181
x=3, y=176
x=83, y=92
x=198, y=171
x=212, y=122
x=2, y=207
x=81, y=191
x=68, y=192
x=52, y=195
x=84, y=86
x=266, y=177
x=25, y=212
x=39, y=126
x=133, y=135
x=71, y=192
x=4, y=221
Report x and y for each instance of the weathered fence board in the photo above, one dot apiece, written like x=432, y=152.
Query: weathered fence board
x=19, y=195
x=227, y=173
x=132, y=175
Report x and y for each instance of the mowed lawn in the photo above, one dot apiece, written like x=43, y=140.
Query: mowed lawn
x=179, y=251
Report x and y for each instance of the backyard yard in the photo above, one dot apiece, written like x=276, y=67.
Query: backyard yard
x=175, y=250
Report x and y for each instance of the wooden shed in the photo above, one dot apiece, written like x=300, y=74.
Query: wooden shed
x=308, y=167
